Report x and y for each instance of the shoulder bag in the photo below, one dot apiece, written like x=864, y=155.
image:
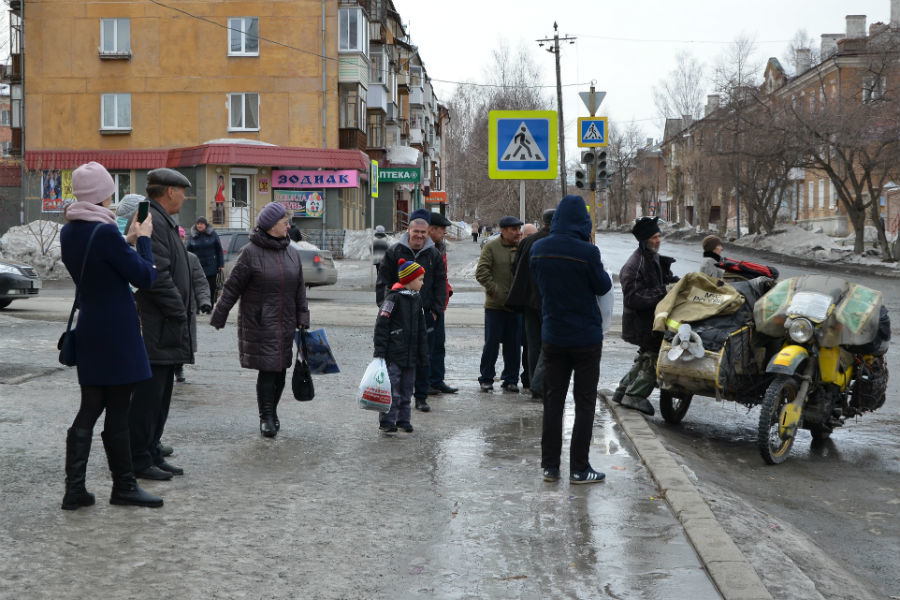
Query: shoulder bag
x=66, y=344
x=301, y=379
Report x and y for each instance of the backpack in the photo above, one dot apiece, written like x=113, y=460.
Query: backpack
x=747, y=269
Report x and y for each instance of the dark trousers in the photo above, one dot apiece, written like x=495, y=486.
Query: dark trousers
x=559, y=364
x=500, y=327
x=148, y=414
x=423, y=372
x=402, y=380
x=531, y=320
x=437, y=352
x=211, y=280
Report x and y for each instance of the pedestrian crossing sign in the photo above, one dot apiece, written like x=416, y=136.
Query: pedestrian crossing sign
x=591, y=132
x=522, y=144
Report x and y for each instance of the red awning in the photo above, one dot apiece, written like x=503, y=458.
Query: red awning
x=206, y=154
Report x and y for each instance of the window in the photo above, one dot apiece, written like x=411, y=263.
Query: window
x=353, y=31
x=243, y=112
x=4, y=148
x=821, y=194
x=115, y=37
x=350, y=108
x=4, y=117
x=377, y=70
x=376, y=130
x=810, y=197
x=115, y=112
x=415, y=76
x=243, y=36
x=832, y=199
x=873, y=88
x=123, y=186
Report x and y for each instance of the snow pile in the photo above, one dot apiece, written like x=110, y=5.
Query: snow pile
x=464, y=271
x=22, y=244
x=358, y=244
x=301, y=245
x=796, y=241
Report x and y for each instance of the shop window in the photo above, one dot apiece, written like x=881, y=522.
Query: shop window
x=115, y=37
x=243, y=36
x=115, y=112
x=123, y=186
x=243, y=112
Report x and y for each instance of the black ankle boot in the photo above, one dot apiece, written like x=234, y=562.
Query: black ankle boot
x=265, y=401
x=78, y=448
x=125, y=490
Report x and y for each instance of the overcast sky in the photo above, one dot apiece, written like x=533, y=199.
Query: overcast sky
x=626, y=46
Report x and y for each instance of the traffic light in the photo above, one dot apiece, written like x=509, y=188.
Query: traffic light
x=580, y=178
x=602, y=173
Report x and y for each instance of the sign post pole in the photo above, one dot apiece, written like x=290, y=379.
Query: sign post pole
x=522, y=200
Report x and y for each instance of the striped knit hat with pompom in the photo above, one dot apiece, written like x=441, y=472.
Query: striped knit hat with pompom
x=408, y=270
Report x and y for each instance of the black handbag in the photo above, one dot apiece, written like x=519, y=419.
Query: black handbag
x=301, y=380
x=66, y=344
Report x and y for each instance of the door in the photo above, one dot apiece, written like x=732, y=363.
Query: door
x=239, y=216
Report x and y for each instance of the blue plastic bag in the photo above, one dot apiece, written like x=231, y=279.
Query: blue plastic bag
x=319, y=357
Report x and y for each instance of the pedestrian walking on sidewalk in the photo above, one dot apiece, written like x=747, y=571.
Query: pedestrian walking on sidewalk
x=569, y=274
x=167, y=312
x=205, y=243
x=111, y=357
x=415, y=245
x=644, y=278
x=268, y=279
x=437, y=351
x=401, y=340
x=501, y=325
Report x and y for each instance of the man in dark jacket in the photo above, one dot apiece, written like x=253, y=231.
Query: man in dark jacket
x=437, y=351
x=167, y=312
x=569, y=274
x=415, y=245
x=644, y=278
x=525, y=298
x=205, y=244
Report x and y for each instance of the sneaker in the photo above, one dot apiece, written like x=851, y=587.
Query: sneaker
x=510, y=388
x=486, y=386
x=589, y=475
x=637, y=403
x=387, y=428
x=407, y=427
x=422, y=405
x=551, y=474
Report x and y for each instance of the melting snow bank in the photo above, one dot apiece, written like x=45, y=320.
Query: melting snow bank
x=23, y=244
x=358, y=244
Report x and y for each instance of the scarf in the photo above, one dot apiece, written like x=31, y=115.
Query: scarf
x=713, y=255
x=85, y=211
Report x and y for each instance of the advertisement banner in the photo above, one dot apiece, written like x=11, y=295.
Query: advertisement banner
x=262, y=185
x=301, y=204
x=51, y=191
x=347, y=178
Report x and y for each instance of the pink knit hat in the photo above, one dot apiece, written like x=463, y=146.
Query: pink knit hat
x=92, y=183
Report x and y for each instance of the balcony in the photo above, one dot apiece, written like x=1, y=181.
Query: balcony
x=416, y=136
x=416, y=96
x=352, y=139
x=376, y=98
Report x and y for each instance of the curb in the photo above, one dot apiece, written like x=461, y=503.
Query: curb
x=729, y=569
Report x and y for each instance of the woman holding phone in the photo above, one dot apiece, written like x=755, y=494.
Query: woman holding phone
x=111, y=357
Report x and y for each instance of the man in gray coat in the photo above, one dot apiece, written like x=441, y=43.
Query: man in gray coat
x=167, y=312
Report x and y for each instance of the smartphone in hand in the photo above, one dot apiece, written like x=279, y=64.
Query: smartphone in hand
x=142, y=211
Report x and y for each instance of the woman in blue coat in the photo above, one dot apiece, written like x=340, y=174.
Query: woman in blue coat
x=111, y=357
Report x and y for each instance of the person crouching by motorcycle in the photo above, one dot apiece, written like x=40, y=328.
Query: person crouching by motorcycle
x=644, y=278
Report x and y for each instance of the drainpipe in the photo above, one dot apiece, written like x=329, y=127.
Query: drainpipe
x=324, y=86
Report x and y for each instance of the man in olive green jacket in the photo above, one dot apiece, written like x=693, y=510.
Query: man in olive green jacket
x=501, y=326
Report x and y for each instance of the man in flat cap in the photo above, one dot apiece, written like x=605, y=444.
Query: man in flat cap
x=437, y=229
x=415, y=245
x=501, y=325
x=644, y=278
x=167, y=312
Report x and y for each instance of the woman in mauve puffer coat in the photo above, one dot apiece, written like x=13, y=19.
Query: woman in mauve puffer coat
x=268, y=279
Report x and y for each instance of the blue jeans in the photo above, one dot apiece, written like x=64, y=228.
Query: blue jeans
x=501, y=327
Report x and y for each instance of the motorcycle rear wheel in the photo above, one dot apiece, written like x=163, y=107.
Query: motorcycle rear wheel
x=773, y=448
x=672, y=407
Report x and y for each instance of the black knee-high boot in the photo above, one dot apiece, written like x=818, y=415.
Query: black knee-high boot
x=78, y=448
x=125, y=489
x=265, y=400
x=279, y=388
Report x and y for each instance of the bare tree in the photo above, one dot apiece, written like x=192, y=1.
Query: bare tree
x=681, y=92
x=801, y=41
x=622, y=153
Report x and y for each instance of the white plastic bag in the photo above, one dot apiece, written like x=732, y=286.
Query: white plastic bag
x=606, y=302
x=375, y=387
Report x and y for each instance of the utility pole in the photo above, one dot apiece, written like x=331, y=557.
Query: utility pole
x=559, y=105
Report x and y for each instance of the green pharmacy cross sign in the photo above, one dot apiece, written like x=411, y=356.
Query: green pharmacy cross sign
x=399, y=174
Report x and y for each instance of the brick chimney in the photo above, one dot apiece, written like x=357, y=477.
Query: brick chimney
x=829, y=44
x=712, y=104
x=895, y=13
x=804, y=60
x=856, y=26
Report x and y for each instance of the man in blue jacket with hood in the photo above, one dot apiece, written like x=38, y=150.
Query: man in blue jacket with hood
x=569, y=274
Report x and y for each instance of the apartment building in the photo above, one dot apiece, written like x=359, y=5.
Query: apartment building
x=252, y=101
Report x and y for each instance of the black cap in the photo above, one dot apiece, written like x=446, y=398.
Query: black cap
x=508, y=221
x=167, y=177
x=439, y=220
x=645, y=228
x=547, y=216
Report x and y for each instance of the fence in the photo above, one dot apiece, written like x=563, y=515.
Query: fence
x=328, y=239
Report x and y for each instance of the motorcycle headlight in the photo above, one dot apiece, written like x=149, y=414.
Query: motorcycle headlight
x=801, y=330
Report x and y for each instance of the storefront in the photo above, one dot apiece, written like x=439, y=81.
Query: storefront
x=400, y=188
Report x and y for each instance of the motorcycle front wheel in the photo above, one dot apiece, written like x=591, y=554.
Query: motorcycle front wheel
x=772, y=445
x=673, y=408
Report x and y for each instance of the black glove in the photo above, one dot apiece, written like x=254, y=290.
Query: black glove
x=206, y=309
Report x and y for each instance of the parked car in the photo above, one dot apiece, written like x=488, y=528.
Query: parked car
x=486, y=239
x=318, y=265
x=17, y=282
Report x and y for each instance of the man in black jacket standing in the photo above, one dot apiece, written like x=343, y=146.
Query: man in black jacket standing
x=416, y=245
x=644, y=278
x=167, y=312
